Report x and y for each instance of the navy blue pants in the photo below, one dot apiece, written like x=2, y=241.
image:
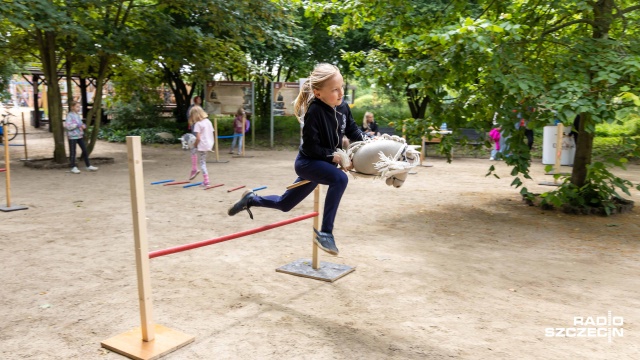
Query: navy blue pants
x=72, y=151
x=317, y=172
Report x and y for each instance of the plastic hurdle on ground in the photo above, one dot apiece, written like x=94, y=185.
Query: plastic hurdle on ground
x=191, y=185
x=161, y=182
x=213, y=186
x=176, y=183
x=236, y=188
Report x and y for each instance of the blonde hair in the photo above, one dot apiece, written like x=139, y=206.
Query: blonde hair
x=320, y=74
x=196, y=114
x=365, y=124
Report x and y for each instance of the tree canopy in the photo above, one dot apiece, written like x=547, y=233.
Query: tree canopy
x=462, y=62
x=456, y=62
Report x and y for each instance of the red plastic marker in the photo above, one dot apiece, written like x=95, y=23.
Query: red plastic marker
x=177, y=183
x=213, y=186
x=236, y=188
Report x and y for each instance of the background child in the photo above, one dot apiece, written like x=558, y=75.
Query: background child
x=203, y=130
x=238, y=131
x=326, y=120
x=494, y=134
x=75, y=133
x=369, y=126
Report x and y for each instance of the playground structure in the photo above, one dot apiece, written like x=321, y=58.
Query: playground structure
x=151, y=341
x=7, y=173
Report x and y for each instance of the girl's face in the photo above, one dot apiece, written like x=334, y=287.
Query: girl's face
x=369, y=118
x=76, y=108
x=331, y=92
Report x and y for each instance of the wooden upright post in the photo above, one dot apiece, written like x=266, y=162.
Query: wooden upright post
x=24, y=139
x=138, y=212
x=150, y=341
x=559, y=136
x=313, y=268
x=7, y=173
x=215, y=141
x=7, y=165
x=315, y=263
x=244, y=123
x=215, y=137
x=556, y=167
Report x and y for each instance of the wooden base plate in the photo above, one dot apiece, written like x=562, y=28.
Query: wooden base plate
x=326, y=272
x=13, y=208
x=549, y=183
x=131, y=345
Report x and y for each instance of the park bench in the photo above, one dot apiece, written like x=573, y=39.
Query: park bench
x=464, y=136
x=471, y=137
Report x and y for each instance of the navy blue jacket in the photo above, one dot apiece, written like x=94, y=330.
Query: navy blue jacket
x=324, y=127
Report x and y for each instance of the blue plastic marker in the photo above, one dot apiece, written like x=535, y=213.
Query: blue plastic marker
x=161, y=182
x=259, y=188
x=190, y=185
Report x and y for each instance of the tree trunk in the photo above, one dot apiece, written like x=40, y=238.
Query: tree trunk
x=69, y=80
x=47, y=45
x=94, y=117
x=417, y=104
x=602, y=17
x=262, y=91
x=181, y=93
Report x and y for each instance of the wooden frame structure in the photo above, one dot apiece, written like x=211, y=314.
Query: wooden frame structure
x=150, y=340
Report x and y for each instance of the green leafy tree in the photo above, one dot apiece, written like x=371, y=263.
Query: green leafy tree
x=85, y=37
x=474, y=60
x=94, y=50
x=40, y=25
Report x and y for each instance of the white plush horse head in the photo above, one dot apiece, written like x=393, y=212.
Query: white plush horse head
x=188, y=140
x=388, y=157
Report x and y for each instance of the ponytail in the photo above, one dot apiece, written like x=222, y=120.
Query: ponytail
x=301, y=104
x=320, y=74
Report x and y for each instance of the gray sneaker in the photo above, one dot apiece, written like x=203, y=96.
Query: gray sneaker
x=326, y=242
x=92, y=168
x=75, y=170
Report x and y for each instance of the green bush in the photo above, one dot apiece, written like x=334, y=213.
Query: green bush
x=148, y=136
x=384, y=110
x=627, y=124
x=134, y=115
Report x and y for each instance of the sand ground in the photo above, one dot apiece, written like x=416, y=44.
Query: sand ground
x=451, y=265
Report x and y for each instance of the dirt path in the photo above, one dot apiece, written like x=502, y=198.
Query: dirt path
x=452, y=265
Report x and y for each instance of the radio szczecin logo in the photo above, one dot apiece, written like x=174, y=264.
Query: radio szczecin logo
x=590, y=326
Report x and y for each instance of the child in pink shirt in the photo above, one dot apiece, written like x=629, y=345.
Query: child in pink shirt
x=494, y=134
x=203, y=130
